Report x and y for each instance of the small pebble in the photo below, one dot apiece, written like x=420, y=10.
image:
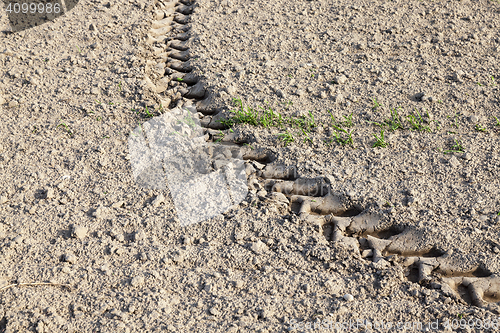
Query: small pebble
x=454, y=162
x=70, y=258
x=118, y=204
x=158, y=200
x=348, y=297
x=50, y=193
x=340, y=79
x=79, y=232
x=137, y=281
x=214, y=312
x=474, y=118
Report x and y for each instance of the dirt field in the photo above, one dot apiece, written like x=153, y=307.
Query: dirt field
x=367, y=133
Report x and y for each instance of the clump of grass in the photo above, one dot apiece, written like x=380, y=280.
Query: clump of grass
x=416, y=122
x=148, y=114
x=307, y=138
x=345, y=138
x=380, y=140
x=480, y=128
x=455, y=120
x=498, y=121
x=66, y=127
x=221, y=136
x=394, y=122
x=286, y=137
x=456, y=148
x=242, y=115
x=376, y=104
x=339, y=138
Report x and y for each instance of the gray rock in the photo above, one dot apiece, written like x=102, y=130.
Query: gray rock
x=49, y=194
x=474, y=118
x=79, y=232
x=340, y=79
x=300, y=92
x=457, y=76
x=454, y=162
x=140, y=235
x=214, y=312
x=279, y=197
x=160, y=198
x=137, y=281
x=70, y=258
x=338, y=98
x=259, y=247
x=100, y=212
x=262, y=194
x=258, y=165
x=280, y=93
x=118, y=204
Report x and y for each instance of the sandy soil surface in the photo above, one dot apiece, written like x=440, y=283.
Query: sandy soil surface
x=371, y=149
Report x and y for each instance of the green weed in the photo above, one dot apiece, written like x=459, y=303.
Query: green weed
x=286, y=137
x=337, y=125
x=376, y=104
x=66, y=127
x=395, y=122
x=381, y=125
x=438, y=124
x=480, y=128
x=498, y=121
x=307, y=138
x=148, y=114
x=456, y=148
x=339, y=138
x=416, y=122
x=221, y=134
x=380, y=140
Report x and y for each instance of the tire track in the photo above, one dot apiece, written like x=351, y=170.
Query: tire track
x=172, y=78
x=366, y=233
x=171, y=75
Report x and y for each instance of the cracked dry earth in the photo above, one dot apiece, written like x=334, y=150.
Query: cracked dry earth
x=327, y=232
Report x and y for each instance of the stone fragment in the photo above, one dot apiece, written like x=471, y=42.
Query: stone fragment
x=70, y=258
x=137, y=281
x=259, y=247
x=454, y=162
x=118, y=204
x=340, y=79
x=79, y=232
x=158, y=200
x=49, y=194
